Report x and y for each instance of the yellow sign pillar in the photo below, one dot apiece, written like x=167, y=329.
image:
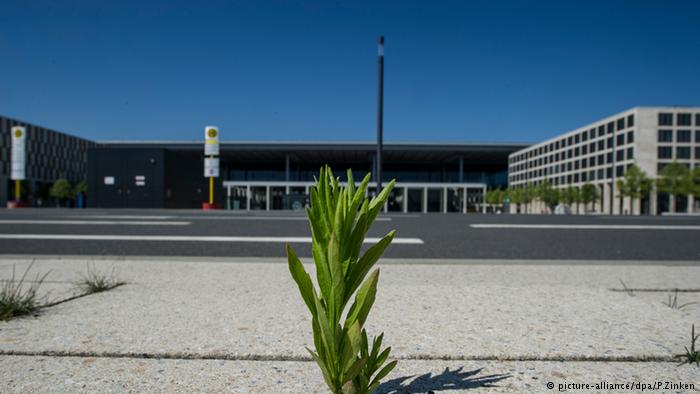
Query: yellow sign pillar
x=17, y=193
x=211, y=190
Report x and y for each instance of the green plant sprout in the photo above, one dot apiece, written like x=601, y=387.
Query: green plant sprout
x=691, y=355
x=629, y=291
x=95, y=281
x=673, y=302
x=340, y=217
x=18, y=298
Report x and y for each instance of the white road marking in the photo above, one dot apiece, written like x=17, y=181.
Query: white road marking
x=186, y=238
x=146, y=217
x=204, y=217
x=303, y=218
x=587, y=226
x=96, y=222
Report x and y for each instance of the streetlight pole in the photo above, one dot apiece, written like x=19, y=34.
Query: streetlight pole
x=380, y=114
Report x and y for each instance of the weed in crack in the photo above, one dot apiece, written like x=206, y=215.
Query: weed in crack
x=691, y=355
x=95, y=281
x=18, y=298
x=629, y=291
x=673, y=302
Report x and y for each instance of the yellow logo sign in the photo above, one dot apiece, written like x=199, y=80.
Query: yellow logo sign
x=18, y=133
x=212, y=133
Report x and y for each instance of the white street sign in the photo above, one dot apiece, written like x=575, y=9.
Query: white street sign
x=19, y=139
x=211, y=141
x=211, y=167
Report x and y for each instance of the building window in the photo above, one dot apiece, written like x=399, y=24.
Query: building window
x=683, y=119
x=610, y=142
x=683, y=136
x=591, y=175
x=630, y=120
x=584, y=149
x=630, y=137
x=576, y=178
x=665, y=135
x=611, y=127
x=609, y=157
x=583, y=163
x=697, y=135
x=591, y=161
x=683, y=152
x=601, y=130
x=584, y=136
x=630, y=153
x=620, y=155
x=665, y=119
x=620, y=171
x=601, y=160
x=660, y=166
x=665, y=152
x=697, y=119
x=697, y=153
x=620, y=139
x=583, y=176
x=591, y=132
x=601, y=174
x=576, y=152
x=608, y=172
x=576, y=139
x=591, y=147
x=620, y=124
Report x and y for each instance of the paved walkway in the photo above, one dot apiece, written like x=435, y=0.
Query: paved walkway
x=241, y=326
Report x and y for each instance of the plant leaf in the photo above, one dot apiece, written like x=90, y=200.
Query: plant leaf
x=359, y=270
x=306, y=288
x=363, y=300
x=383, y=372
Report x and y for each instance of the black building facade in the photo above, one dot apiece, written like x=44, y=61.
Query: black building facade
x=170, y=174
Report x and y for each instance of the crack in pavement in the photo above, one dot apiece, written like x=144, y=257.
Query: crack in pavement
x=263, y=357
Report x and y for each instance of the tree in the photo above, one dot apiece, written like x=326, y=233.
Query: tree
x=81, y=187
x=589, y=193
x=635, y=184
x=494, y=197
x=674, y=179
x=517, y=197
x=570, y=195
x=694, y=183
x=529, y=194
x=62, y=190
x=547, y=194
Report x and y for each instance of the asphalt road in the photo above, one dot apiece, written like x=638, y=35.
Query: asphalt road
x=263, y=234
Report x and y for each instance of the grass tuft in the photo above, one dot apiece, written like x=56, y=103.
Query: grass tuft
x=691, y=355
x=673, y=302
x=629, y=291
x=95, y=281
x=18, y=298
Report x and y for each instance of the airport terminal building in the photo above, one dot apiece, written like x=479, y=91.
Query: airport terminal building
x=431, y=177
x=600, y=152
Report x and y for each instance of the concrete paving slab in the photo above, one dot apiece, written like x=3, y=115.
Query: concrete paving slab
x=449, y=311
x=21, y=374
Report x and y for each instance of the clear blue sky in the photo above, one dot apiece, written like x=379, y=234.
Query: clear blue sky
x=473, y=71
